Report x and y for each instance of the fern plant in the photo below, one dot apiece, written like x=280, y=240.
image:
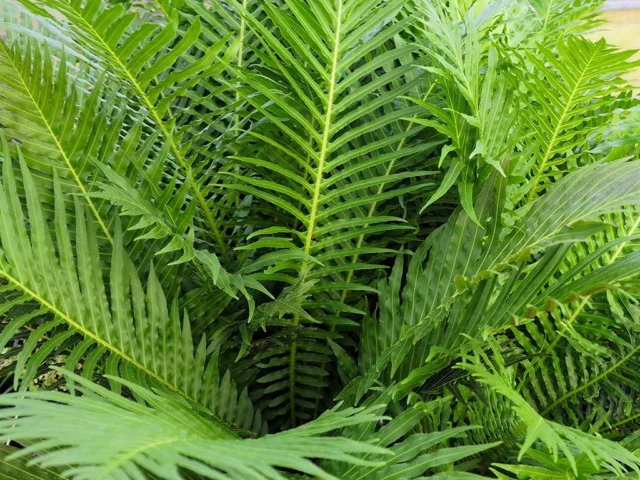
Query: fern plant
x=355, y=239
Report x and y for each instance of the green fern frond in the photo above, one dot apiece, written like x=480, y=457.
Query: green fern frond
x=139, y=334
x=138, y=54
x=166, y=436
x=330, y=174
x=222, y=219
x=57, y=131
x=572, y=85
x=558, y=438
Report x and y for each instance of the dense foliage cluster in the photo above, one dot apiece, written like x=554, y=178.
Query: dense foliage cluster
x=353, y=239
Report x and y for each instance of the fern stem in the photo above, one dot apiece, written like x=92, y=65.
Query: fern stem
x=568, y=324
x=318, y=187
x=325, y=136
x=595, y=379
x=622, y=422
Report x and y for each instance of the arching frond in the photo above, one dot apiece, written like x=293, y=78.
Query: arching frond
x=344, y=161
x=157, y=63
x=114, y=319
x=586, y=347
x=416, y=454
x=557, y=438
x=42, y=111
x=453, y=293
x=572, y=89
x=165, y=436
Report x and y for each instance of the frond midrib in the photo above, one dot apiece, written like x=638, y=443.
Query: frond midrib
x=552, y=142
x=594, y=380
x=131, y=454
x=574, y=316
x=163, y=128
x=99, y=340
x=326, y=134
x=78, y=326
x=57, y=142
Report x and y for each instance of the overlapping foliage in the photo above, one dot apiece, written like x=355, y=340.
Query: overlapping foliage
x=356, y=239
